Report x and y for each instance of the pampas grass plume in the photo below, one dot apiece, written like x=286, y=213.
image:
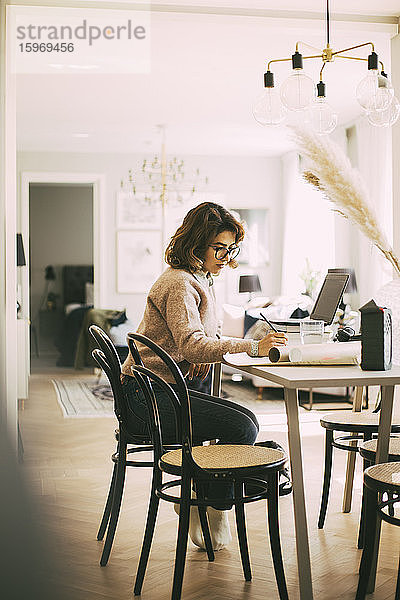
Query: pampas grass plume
x=330, y=171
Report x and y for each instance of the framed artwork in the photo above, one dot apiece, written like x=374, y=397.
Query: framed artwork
x=136, y=212
x=139, y=257
x=255, y=246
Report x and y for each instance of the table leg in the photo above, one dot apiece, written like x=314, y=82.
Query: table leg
x=385, y=423
x=300, y=517
x=351, y=458
x=216, y=379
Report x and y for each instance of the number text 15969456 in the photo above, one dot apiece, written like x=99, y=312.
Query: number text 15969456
x=46, y=47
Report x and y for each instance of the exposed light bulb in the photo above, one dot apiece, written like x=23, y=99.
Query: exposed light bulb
x=268, y=109
x=374, y=92
x=297, y=92
x=385, y=118
x=322, y=117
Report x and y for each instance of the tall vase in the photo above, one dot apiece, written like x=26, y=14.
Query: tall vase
x=389, y=296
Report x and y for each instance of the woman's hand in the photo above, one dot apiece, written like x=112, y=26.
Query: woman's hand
x=272, y=339
x=199, y=371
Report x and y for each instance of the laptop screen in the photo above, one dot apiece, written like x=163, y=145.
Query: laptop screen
x=329, y=297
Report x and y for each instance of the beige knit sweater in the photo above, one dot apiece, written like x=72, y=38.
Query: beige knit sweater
x=181, y=317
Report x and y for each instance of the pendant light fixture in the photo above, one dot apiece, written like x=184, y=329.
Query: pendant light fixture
x=268, y=109
x=374, y=93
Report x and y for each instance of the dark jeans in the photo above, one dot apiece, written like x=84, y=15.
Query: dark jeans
x=212, y=418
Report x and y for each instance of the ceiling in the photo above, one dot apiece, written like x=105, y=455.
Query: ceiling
x=363, y=7
x=205, y=73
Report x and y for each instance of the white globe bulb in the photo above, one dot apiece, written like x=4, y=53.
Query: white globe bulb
x=297, y=92
x=374, y=92
x=268, y=109
x=322, y=117
x=385, y=118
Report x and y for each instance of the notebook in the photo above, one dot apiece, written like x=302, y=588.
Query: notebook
x=326, y=304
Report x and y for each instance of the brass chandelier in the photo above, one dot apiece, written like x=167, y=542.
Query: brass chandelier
x=374, y=93
x=162, y=179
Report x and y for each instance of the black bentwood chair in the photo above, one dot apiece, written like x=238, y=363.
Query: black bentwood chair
x=378, y=480
x=198, y=466
x=359, y=427
x=368, y=453
x=128, y=442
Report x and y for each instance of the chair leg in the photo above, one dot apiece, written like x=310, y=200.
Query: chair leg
x=362, y=525
x=241, y=531
x=369, y=542
x=274, y=538
x=183, y=531
x=327, y=477
x=397, y=594
x=107, y=508
x=152, y=512
x=391, y=506
x=204, y=525
x=116, y=502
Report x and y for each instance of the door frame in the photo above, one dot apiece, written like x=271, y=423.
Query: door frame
x=97, y=180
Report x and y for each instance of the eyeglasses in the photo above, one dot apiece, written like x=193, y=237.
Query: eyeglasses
x=220, y=252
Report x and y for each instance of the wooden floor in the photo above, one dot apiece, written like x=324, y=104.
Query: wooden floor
x=68, y=468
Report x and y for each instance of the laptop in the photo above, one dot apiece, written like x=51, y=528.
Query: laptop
x=327, y=302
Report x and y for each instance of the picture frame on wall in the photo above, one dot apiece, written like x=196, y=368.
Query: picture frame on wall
x=136, y=212
x=255, y=250
x=139, y=260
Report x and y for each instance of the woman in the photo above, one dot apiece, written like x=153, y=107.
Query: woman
x=181, y=317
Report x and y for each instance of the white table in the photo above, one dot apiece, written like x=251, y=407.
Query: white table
x=293, y=378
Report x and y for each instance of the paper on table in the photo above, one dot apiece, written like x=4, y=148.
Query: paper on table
x=345, y=353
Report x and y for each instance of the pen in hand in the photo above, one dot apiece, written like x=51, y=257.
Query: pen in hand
x=274, y=329
x=269, y=323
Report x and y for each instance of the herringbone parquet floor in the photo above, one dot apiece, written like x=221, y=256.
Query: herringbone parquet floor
x=68, y=467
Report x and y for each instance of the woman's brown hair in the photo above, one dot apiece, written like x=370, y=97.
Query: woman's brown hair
x=200, y=227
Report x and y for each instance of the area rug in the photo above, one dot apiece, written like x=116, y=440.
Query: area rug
x=82, y=398
x=89, y=398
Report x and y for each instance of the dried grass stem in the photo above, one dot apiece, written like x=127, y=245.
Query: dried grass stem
x=330, y=172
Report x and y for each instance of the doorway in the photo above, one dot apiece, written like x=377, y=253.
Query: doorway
x=61, y=239
x=53, y=185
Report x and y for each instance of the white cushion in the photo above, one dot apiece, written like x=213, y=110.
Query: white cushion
x=118, y=334
x=232, y=320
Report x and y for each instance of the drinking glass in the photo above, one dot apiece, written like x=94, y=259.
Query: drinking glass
x=312, y=332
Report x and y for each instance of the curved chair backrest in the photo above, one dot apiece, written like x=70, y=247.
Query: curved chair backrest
x=104, y=362
x=106, y=346
x=178, y=395
x=111, y=365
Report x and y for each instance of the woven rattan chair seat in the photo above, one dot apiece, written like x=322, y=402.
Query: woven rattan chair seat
x=394, y=446
x=385, y=473
x=362, y=419
x=227, y=456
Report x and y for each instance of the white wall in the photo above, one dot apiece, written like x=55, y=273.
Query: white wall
x=246, y=182
x=395, y=44
x=61, y=233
